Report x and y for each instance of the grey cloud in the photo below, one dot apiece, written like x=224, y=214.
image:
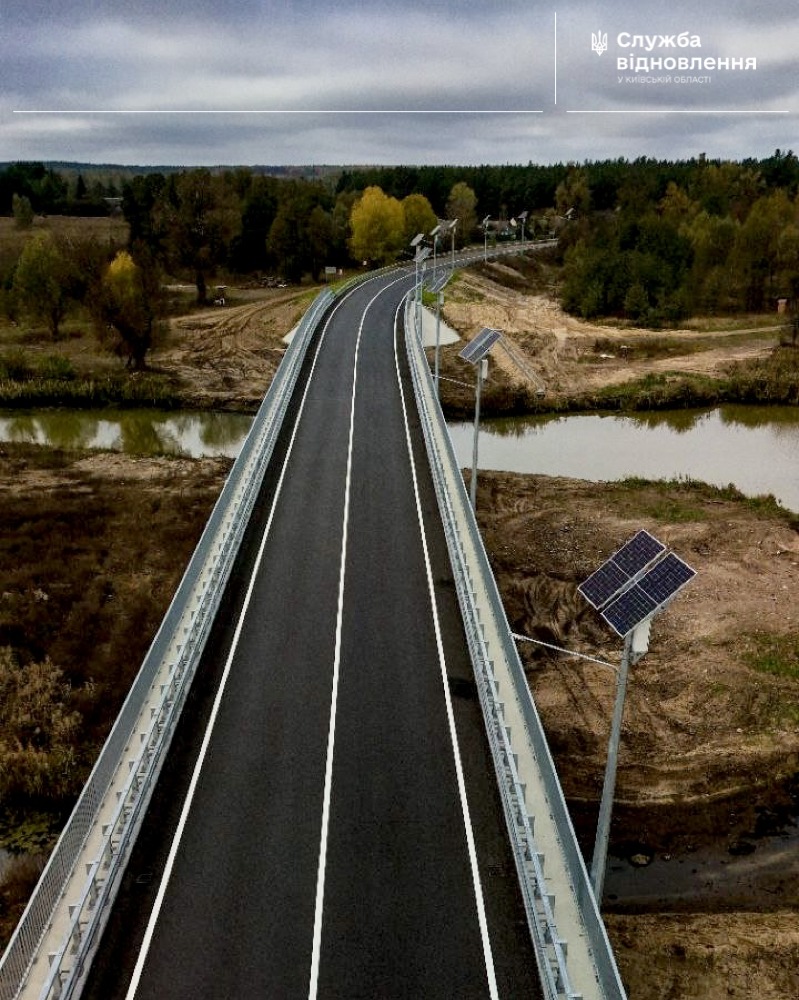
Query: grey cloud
x=456, y=56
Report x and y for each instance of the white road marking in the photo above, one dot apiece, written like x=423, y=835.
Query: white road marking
x=173, y=851
x=316, y=950
x=467, y=822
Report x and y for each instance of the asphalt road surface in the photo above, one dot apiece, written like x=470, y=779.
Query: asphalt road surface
x=328, y=823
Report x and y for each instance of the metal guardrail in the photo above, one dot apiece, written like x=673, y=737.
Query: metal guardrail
x=508, y=707
x=143, y=729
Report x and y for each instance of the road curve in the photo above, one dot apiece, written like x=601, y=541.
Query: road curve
x=328, y=823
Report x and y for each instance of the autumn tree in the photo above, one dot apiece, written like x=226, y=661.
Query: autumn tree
x=127, y=306
x=42, y=281
x=419, y=216
x=377, y=225
x=462, y=205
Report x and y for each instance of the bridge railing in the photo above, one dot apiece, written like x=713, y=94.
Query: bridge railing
x=46, y=953
x=574, y=954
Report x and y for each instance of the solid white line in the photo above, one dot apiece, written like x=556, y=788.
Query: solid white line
x=276, y=111
x=316, y=951
x=467, y=822
x=173, y=851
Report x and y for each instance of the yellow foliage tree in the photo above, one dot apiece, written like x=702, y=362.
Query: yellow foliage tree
x=377, y=226
x=128, y=306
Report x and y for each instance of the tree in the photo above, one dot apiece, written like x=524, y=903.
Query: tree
x=22, y=210
x=419, y=216
x=377, y=225
x=462, y=205
x=42, y=281
x=301, y=234
x=128, y=305
x=199, y=216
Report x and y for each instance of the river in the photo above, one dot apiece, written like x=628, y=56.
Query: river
x=135, y=432
x=755, y=449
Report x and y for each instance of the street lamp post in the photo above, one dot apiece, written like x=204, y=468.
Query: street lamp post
x=485, y=236
x=451, y=226
x=475, y=353
x=439, y=304
x=628, y=590
x=435, y=232
x=523, y=217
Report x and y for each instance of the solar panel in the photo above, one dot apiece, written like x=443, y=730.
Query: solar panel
x=629, y=610
x=664, y=580
x=603, y=584
x=640, y=550
x=620, y=568
x=477, y=348
x=655, y=589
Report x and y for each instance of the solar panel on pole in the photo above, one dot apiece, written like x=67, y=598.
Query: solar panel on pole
x=479, y=346
x=646, y=597
x=620, y=568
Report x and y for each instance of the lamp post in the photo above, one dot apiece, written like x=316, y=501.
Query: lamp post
x=485, y=236
x=422, y=253
x=523, y=218
x=628, y=590
x=439, y=304
x=435, y=232
x=475, y=353
x=451, y=226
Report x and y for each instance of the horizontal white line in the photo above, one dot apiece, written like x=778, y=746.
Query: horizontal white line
x=680, y=111
x=273, y=111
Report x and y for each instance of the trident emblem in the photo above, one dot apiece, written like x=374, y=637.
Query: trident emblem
x=599, y=42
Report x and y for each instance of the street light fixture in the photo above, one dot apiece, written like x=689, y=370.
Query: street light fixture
x=484, y=224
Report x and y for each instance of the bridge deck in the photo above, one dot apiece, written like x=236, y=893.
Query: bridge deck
x=342, y=835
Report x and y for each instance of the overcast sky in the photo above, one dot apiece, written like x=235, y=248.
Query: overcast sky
x=191, y=82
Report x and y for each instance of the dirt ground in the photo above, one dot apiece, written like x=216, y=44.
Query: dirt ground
x=224, y=357
x=710, y=747
x=571, y=356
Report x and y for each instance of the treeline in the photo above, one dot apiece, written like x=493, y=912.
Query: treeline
x=722, y=238
x=648, y=240
x=48, y=191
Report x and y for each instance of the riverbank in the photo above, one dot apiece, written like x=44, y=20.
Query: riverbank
x=590, y=366
x=708, y=781
x=711, y=737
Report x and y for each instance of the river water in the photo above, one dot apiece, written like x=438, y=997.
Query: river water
x=755, y=449
x=136, y=432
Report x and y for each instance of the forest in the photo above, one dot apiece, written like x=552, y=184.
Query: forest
x=647, y=241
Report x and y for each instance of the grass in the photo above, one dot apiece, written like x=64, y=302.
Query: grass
x=684, y=506
x=770, y=653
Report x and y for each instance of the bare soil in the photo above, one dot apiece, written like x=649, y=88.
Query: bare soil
x=710, y=748
x=224, y=357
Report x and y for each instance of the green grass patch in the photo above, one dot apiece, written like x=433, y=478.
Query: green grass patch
x=770, y=653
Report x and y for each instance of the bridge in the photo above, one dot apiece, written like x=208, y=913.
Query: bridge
x=329, y=779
